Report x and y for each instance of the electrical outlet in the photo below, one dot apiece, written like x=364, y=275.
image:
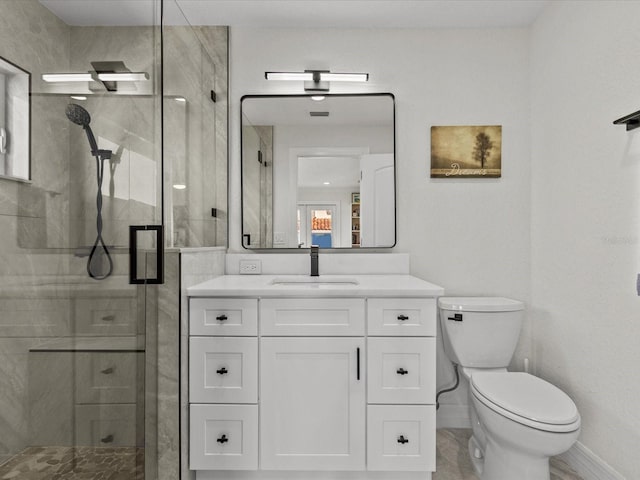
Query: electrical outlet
x=250, y=267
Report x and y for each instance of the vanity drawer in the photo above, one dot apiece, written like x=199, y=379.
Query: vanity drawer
x=113, y=377
x=223, y=437
x=312, y=317
x=114, y=425
x=105, y=316
x=402, y=316
x=401, y=438
x=401, y=370
x=223, y=316
x=223, y=370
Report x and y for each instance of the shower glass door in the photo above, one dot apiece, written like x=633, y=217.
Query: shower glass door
x=78, y=340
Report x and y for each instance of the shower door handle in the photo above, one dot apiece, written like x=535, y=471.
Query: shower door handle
x=133, y=254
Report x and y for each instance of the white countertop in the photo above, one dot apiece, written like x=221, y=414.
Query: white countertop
x=322, y=286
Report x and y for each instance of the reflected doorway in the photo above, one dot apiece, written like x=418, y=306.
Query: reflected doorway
x=318, y=224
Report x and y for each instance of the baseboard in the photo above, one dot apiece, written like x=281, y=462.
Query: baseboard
x=588, y=464
x=453, y=416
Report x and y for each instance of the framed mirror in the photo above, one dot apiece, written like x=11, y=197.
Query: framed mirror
x=318, y=170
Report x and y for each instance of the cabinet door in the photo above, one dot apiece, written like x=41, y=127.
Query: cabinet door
x=312, y=399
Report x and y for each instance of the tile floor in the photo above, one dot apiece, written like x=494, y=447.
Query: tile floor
x=79, y=463
x=124, y=463
x=453, y=461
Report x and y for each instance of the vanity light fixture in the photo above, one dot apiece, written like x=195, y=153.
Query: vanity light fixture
x=88, y=77
x=317, y=80
x=66, y=77
x=632, y=121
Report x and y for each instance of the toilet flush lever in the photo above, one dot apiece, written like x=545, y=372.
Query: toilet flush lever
x=457, y=317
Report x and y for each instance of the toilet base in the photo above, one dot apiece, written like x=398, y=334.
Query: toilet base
x=476, y=455
x=500, y=464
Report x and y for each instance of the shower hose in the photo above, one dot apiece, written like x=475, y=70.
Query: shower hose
x=99, y=244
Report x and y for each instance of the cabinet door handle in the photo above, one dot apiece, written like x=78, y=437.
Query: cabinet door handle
x=221, y=318
x=358, y=363
x=107, y=371
x=402, y=440
x=402, y=317
x=222, y=439
x=222, y=371
x=108, y=318
x=402, y=371
x=107, y=439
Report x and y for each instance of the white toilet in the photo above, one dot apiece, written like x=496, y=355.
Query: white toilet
x=518, y=420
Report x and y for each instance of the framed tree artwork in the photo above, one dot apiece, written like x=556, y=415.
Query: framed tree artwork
x=466, y=151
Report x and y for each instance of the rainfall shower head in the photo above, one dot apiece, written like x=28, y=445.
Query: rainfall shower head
x=78, y=115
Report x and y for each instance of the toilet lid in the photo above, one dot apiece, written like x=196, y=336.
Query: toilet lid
x=526, y=399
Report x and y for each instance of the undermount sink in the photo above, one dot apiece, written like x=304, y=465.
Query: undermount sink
x=313, y=281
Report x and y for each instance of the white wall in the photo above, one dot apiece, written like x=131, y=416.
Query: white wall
x=470, y=236
x=585, y=70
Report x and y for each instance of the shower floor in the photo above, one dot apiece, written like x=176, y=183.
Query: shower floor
x=75, y=463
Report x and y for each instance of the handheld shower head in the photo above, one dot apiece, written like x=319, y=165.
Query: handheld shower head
x=78, y=115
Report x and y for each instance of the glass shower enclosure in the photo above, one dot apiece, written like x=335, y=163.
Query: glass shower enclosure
x=89, y=287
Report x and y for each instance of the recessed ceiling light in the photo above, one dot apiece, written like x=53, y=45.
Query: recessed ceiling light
x=326, y=183
x=180, y=99
x=179, y=186
x=78, y=97
x=317, y=98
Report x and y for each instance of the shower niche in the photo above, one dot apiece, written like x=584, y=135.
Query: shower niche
x=15, y=85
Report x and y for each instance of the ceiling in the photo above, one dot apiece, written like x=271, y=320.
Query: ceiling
x=304, y=13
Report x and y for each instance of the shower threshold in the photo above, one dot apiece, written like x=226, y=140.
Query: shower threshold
x=75, y=463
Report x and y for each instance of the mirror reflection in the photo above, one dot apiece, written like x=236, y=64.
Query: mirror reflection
x=318, y=170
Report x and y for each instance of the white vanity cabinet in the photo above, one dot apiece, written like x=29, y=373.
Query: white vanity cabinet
x=298, y=382
x=312, y=404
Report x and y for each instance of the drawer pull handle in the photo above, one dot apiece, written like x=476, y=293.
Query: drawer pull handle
x=222, y=371
x=107, y=439
x=221, y=318
x=402, y=440
x=107, y=371
x=402, y=371
x=108, y=318
x=222, y=439
x=402, y=318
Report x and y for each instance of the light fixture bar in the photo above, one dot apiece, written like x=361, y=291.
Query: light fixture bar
x=88, y=77
x=123, y=77
x=292, y=76
x=343, y=77
x=317, y=80
x=66, y=77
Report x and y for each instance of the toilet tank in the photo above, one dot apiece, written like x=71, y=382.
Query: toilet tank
x=480, y=332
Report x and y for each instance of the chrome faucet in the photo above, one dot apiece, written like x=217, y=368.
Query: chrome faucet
x=314, y=261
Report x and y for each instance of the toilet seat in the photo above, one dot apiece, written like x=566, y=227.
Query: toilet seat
x=527, y=400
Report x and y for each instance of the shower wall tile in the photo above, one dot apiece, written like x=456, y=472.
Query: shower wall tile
x=14, y=422
x=195, y=63
x=168, y=426
x=135, y=46
x=32, y=37
x=196, y=265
